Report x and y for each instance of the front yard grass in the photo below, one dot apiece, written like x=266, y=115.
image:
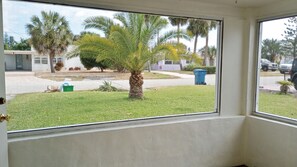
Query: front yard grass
x=55, y=109
x=40, y=110
x=274, y=103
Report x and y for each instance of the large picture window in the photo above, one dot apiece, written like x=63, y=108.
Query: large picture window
x=107, y=66
x=277, y=95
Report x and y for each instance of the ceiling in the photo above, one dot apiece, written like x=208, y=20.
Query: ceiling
x=241, y=3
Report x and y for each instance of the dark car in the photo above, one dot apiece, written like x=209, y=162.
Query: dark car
x=267, y=65
x=293, y=73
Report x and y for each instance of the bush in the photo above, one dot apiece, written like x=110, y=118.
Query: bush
x=192, y=67
x=107, y=87
x=285, y=86
x=59, y=66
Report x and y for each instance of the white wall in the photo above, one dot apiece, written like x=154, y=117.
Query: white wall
x=40, y=67
x=73, y=62
x=270, y=143
x=209, y=142
x=10, y=62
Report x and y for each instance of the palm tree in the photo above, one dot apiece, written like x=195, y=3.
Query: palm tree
x=132, y=44
x=178, y=21
x=212, y=52
x=210, y=25
x=196, y=28
x=271, y=48
x=49, y=35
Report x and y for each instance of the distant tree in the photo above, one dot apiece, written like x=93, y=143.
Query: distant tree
x=196, y=28
x=89, y=61
x=210, y=25
x=271, y=48
x=178, y=21
x=212, y=53
x=9, y=42
x=50, y=34
x=290, y=35
x=22, y=45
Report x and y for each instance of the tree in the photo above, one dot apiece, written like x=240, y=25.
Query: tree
x=89, y=61
x=178, y=21
x=133, y=44
x=209, y=26
x=50, y=34
x=212, y=52
x=290, y=35
x=22, y=45
x=270, y=49
x=196, y=28
x=9, y=42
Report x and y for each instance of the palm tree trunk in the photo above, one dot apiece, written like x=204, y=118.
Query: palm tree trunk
x=136, y=82
x=195, y=43
x=178, y=29
x=206, y=50
x=51, y=58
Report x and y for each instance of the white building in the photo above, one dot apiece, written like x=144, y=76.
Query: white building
x=16, y=60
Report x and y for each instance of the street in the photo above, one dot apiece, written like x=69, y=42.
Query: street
x=26, y=82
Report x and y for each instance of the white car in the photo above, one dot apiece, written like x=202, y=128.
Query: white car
x=285, y=67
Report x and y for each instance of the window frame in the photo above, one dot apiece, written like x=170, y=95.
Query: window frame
x=38, y=59
x=44, y=59
x=146, y=120
x=256, y=111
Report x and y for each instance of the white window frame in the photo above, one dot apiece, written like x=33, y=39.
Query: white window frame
x=37, y=59
x=44, y=60
x=146, y=120
x=256, y=111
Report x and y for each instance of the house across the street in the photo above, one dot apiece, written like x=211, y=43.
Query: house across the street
x=19, y=60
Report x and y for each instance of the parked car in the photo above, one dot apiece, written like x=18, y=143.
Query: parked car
x=285, y=67
x=293, y=73
x=267, y=65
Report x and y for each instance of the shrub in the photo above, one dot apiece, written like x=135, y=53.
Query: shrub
x=285, y=86
x=59, y=66
x=77, y=68
x=192, y=67
x=107, y=87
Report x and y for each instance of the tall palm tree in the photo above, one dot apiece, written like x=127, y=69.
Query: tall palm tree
x=210, y=26
x=178, y=21
x=196, y=28
x=212, y=52
x=132, y=43
x=271, y=48
x=50, y=34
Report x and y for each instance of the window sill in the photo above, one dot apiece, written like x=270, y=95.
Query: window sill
x=102, y=126
x=277, y=118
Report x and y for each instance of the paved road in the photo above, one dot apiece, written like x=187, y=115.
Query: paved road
x=26, y=82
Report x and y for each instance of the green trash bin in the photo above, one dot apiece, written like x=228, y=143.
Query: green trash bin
x=67, y=88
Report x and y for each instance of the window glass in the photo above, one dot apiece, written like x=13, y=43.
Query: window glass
x=37, y=60
x=278, y=79
x=44, y=60
x=114, y=70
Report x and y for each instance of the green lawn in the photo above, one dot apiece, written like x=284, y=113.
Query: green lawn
x=53, y=109
x=283, y=105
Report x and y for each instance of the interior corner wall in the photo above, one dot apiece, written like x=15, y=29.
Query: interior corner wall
x=209, y=142
x=270, y=143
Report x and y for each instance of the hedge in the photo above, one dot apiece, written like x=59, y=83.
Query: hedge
x=209, y=69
